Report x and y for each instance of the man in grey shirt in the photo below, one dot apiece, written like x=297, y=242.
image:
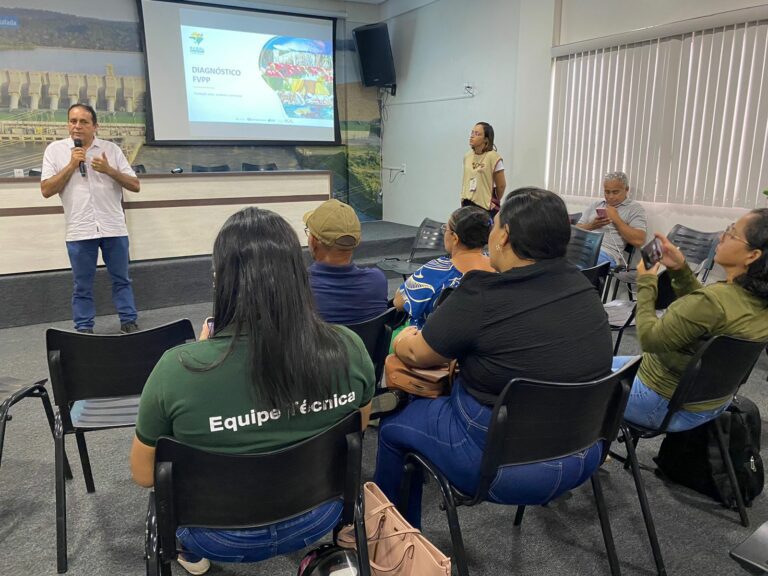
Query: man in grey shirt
x=621, y=220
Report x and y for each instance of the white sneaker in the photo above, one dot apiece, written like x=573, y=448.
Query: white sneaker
x=196, y=568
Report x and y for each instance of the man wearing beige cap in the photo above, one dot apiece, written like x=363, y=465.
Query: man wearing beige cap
x=344, y=293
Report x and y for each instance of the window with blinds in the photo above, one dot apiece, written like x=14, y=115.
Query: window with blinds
x=686, y=117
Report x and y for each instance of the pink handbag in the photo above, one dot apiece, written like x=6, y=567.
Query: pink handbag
x=395, y=548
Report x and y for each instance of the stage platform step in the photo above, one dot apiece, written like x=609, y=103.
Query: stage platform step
x=39, y=297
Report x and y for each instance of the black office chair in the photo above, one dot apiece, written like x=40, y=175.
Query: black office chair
x=247, y=167
x=205, y=489
x=428, y=237
x=622, y=273
x=584, y=247
x=621, y=313
x=376, y=334
x=522, y=432
x=139, y=168
x=96, y=382
x=714, y=373
x=219, y=168
x=597, y=275
x=698, y=247
x=34, y=172
x=13, y=390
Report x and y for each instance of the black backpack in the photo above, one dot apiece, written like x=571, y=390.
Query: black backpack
x=692, y=458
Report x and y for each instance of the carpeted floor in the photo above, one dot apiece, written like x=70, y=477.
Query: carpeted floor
x=106, y=529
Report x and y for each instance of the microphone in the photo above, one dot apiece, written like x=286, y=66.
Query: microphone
x=79, y=144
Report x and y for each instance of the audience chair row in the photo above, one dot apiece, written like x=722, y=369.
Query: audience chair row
x=97, y=380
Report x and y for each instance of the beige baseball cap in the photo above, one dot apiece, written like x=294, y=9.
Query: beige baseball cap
x=334, y=224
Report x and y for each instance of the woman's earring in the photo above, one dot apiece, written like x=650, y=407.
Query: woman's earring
x=498, y=247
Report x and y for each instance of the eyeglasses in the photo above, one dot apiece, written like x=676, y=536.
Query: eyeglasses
x=476, y=133
x=306, y=230
x=730, y=232
x=445, y=228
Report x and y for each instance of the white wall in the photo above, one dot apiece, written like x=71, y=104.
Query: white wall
x=587, y=19
x=439, y=47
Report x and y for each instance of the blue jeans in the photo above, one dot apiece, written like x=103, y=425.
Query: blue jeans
x=82, y=257
x=605, y=257
x=450, y=431
x=255, y=544
x=648, y=408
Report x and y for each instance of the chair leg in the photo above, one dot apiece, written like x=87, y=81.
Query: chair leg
x=634, y=440
x=519, y=515
x=61, y=498
x=3, y=417
x=457, y=541
x=605, y=525
x=45, y=399
x=85, y=462
x=361, y=538
x=725, y=455
x=643, y=498
x=618, y=342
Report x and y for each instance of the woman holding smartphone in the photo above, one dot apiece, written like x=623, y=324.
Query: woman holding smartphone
x=737, y=307
x=272, y=354
x=483, y=183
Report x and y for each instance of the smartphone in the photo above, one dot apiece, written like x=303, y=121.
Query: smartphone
x=601, y=212
x=651, y=253
x=209, y=322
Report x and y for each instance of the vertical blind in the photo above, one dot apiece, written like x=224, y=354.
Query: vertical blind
x=686, y=117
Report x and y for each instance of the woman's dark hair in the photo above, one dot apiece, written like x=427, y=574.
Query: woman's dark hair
x=472, y=226
x=538, y=223
x=755, y=279
x=488, y=129
x=261, y=292
x=87, y=107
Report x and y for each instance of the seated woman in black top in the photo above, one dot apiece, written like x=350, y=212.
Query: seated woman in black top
x=538, y=318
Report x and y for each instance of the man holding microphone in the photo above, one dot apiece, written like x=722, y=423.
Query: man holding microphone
x=89, y=175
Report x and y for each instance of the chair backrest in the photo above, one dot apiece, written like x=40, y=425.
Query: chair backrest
x=444, y=293
x=376, y=334
x=534, y=421
x=219, y=168
x=89, y=366
x=248, y=167
x=35, y=172
x=597, y=275
x=584, y=247
x=429, y=236
x=139, y=168
x=200, y=488
x=715, y=372
x=665, y=294
x=698, y=247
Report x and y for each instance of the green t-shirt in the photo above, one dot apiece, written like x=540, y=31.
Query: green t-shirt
x=669, y=342
x=215, y=409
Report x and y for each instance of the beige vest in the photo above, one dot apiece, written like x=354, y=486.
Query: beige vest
x=480, y=168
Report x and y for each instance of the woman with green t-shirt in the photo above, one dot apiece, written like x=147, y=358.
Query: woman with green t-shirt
x=269, y=354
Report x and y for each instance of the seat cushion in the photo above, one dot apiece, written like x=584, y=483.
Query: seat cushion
x=105, y=412
x=402, y=267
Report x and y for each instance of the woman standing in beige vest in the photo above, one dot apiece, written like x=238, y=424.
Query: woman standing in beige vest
x=484, y=182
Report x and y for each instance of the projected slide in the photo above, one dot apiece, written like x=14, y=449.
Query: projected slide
x=223, y=74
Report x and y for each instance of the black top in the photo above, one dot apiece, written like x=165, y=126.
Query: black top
x=544, y=321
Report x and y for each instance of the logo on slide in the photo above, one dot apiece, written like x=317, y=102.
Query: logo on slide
x=197, y=38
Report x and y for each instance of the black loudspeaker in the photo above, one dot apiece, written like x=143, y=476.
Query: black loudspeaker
x=376, y=63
